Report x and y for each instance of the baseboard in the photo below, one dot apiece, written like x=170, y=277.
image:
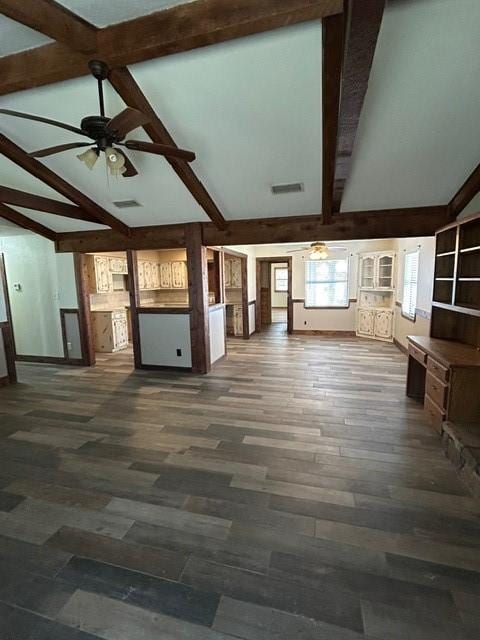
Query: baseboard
x=328, y=334
x=400, y=346
x=161, y=367
x=49, y=360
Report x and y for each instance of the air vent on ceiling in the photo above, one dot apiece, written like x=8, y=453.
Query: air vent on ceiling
x=294, y=187
x=126, y=204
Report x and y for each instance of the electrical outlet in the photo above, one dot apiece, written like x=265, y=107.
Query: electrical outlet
x=179, y=353
x=17, y=286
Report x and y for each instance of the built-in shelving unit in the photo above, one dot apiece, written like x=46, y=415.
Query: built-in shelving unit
x=456, y=291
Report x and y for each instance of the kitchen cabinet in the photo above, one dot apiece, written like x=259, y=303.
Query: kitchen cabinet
x=377, y=271
x=233, y=273
x=118, y=265
x=383, y=324
x=179, y=275
x=165, y=275
x=365, y=322
x=110, y=329
x=103, y=280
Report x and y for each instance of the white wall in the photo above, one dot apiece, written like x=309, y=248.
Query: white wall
x=160, y=337
x=47, y=282
x=421, y=325
x=251, y=319
x=279, y=298
x=217, y=333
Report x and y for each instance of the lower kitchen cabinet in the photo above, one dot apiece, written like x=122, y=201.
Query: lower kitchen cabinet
x=110, y=329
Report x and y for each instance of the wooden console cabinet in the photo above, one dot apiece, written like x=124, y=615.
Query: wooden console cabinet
x=446, y=375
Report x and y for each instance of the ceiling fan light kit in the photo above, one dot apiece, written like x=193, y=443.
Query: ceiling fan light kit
x=106, y=133
x=317, y=250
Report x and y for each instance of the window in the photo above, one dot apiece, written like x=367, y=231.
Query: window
x=326, y=283
x=410, y=283
x=281, y=279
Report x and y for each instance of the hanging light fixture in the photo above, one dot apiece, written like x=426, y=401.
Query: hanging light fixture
x=115, y=161
x=319, y=252
x=88, y=157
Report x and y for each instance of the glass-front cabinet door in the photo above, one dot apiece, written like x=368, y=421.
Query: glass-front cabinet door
x=385, y=271
x=367, y=272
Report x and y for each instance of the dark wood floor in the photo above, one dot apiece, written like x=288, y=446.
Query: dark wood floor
x=293, y=493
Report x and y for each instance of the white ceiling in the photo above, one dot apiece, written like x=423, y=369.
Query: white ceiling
x=250, y=109
x=104, y=12
x=15, y=37
x=419, y=133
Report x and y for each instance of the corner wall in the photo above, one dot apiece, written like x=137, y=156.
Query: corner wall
x=47, y=282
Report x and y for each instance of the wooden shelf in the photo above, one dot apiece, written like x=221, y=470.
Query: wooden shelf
x=445, y=253
x=469, y=279
x=444, y=279
x=467, y=250
x=471, y=311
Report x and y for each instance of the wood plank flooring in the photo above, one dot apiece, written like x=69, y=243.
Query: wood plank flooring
x=293, y=493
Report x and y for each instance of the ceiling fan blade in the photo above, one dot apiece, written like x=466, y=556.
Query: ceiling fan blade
x=160, y=149
x=298, y=250
x=55, y=123
x=41, y=153
x=126, y=121
x=130, y=169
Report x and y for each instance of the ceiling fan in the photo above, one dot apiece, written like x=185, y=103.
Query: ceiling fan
x=107, y=134
x=318, y=250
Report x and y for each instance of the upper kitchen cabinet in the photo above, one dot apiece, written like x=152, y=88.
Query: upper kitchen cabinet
x=107, y=273
x=162, y=270
x=233, y=273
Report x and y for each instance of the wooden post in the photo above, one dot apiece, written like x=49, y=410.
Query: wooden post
x=133, y=290
x=84, y=317
x=198, y=298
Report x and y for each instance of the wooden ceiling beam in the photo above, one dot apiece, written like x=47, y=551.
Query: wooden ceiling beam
x=17, y=155
x=54, y=21
x=390, y=223
x=363, y=20
x=465, y=194
x=26, y=223
x=180, y=28
x=333, y=29
x=126, y=86
x=46, y=205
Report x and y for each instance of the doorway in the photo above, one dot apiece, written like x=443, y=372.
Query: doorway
x=274, y=309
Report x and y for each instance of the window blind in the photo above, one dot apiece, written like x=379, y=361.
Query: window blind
x=410, y=284
x=281, y=279
x=326, y=283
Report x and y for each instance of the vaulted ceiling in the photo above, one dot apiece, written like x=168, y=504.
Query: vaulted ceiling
x=251, y=110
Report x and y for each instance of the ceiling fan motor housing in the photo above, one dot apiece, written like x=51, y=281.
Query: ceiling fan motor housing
x=96, y=128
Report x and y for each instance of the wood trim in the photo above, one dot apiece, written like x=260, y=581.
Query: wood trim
x=47, y=205
x=246, y=333
x=363, y=21
x=180, y=28
x=198, y=296
x=326, y=334
x=161, y=367
x=258, y=310
x=35, y=168
x=6, y=328
x=26, y=223
x=53, y=20
x=388, y=223
x=68, y=360
x=41, y=359
x=4, y=381
x=125, y=85
x=84, y=315
x=332, y=57
x=134, y=294
x=465, y=194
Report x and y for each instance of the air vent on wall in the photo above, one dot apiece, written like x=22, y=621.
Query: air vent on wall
x=294, y=187
x=126, y=204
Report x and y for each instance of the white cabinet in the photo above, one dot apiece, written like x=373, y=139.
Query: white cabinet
x=118, y=265
x=376, y=281
x=179, y=275
x=383, y=324
x=141, y=275
x=103, y=280
x=165, y=275
x=365, y=322
x=110, y=330
x=233, y=273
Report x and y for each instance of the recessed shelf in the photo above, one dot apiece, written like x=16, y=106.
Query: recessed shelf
x=471, y=311
x=446, y=253
x=445, y=279
x=469, y=279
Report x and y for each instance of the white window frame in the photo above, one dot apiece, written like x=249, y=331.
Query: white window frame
x=346, y=304
x=411, y=267
x=276, y=289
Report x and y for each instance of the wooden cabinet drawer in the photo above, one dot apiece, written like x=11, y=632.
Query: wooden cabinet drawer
x=436, y=390
x=436, y=414
x=438, y=370
x=417, y=353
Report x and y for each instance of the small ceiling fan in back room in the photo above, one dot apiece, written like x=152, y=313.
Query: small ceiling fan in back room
x=318, y=250
x=108, y=134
